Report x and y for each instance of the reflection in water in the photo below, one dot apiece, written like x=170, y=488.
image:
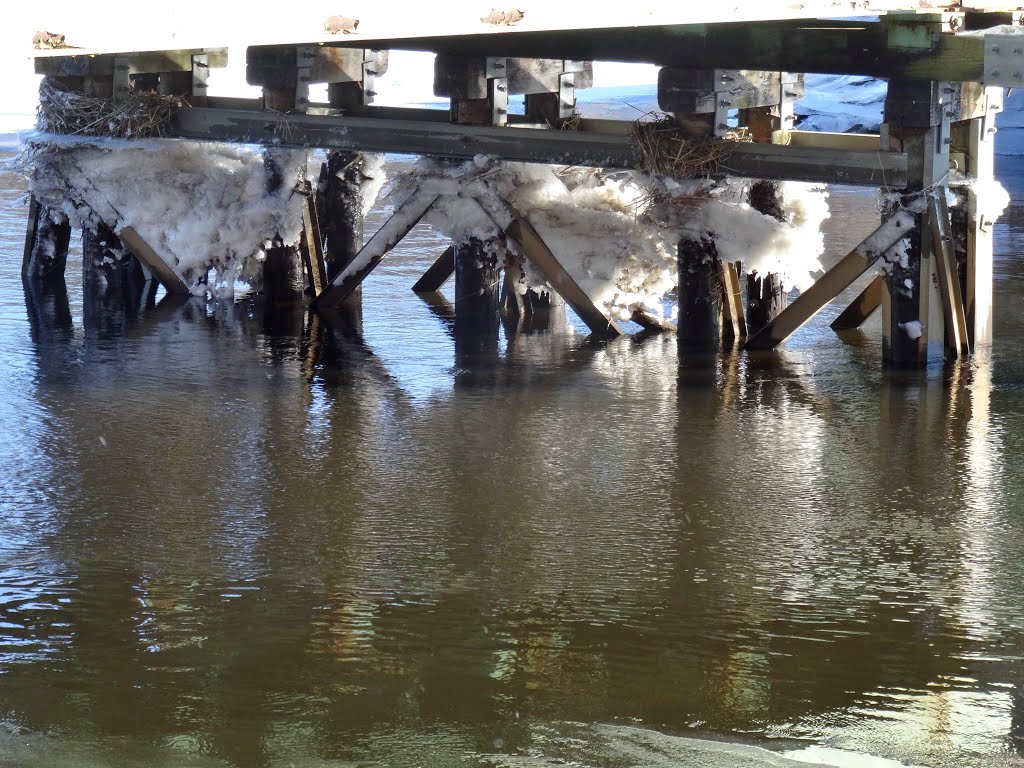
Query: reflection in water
x=237, y=539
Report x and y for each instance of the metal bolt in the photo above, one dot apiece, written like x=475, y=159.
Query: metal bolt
x=723, y=103
x=791, y=94
x=995, y=49
x=501, y=111
x=994, y=73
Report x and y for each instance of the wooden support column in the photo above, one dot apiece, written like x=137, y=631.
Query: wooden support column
x=47, y=239
x=113, y=282
x=700, y=295
x=972, y=231
x=340, y=208
x=283, y=276
x=477, y=285
x=765, y=295
x=916, y=123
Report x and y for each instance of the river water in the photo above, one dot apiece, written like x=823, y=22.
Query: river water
x=226, y=541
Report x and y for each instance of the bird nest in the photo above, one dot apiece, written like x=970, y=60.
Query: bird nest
x=662, y=148
x=140, y=114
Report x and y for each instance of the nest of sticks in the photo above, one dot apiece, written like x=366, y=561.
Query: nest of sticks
x=662, y=148
x=141, y=114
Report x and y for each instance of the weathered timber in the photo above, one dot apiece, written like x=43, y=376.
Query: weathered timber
x=477, y=285
x=702, y=90
x=833, y=282
x=438, y=273
x=34, y=210
x=138, y=63
x=858, y=142
x=700, y=295
x=651, y=322
x=283, y=277
x=957, y=342
x=732, y=302
x=847, y=48
x=376, y=248
x=511, y=303
x=766, y=297
x=341, y=205
x=312, y=247
x=168, y=278
x=598, y=150
x=861, y=308
x=916, y=123
x=48, y=252
x=465, y=77
x=536, y=250
x=113, y=282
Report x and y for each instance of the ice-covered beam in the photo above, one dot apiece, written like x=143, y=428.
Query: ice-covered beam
x=598, y=150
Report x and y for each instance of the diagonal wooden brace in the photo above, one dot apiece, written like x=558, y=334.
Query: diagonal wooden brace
x=832, y=283
x=376, y=248
x=949, y=282
x=438, y=273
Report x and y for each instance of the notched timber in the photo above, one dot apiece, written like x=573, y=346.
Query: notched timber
x=141, y=63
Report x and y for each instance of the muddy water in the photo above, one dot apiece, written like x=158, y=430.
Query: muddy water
x=231, y=541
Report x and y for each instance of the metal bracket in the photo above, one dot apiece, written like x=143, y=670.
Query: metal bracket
x=993, y=106
x=369, y=76
x=121, y=79
x=566, y=95
x=497, y=96
x=304, y=58
x=200, y=78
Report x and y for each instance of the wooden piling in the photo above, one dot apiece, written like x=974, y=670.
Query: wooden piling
x=284, y=279
x=766, y=297
x=700, y=295
x=113, y=281
x=46, y=244
x=477, y=285
x=917, y=123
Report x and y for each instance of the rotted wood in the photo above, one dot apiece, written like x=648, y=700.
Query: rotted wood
x=283, y=275
x=832, y=283
x=512, y=304
x=142, y=62
x=477, y=285
x=46, y=244
x=376, y=248
x=651, y=322
x=700, y=295
x=957, y=342
x=861, y=308
x=766, y=297
x=34, y=210
x=438, y=273
x=112, y=277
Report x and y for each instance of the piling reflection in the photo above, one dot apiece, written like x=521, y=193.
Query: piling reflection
x=259, y=543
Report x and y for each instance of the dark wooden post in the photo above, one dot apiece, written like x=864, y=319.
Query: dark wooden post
x=283, y=277
x=700, y=295
x=340, y=207
x=46, y=243
x=917, y=123
x=477, y=286
x=765, y=295
x=113, y=283
x=544, y=311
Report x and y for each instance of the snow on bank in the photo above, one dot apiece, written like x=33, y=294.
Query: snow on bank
x=617, y=235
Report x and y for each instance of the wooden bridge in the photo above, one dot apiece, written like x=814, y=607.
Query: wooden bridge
x=947, y=67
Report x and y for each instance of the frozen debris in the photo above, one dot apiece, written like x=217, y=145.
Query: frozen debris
x=47, y=40
x=200, y=206
x=912, y=328
x=617, y=235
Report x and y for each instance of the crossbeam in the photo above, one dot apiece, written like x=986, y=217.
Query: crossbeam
x=832, y=283
x=595, y=150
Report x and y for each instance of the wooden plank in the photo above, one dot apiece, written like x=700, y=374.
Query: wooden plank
x=168, y=278
x=980, y=166
x=860, y=142
x=949, y=281
x=34, y=210
x=438, y=273
x=833, y=282
x=375, y=249
x=732, y=301
x=536, y=250
x=313, y=253
x=865, y=305
x=139, y=63
x=600, y=150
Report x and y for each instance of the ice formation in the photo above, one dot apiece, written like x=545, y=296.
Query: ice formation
x=617, y=234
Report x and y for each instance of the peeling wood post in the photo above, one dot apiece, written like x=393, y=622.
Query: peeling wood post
x=34, y=209
x=766, y=297
x=700, y=295
x=543, y=311
x=917, y=123
x=48, y=251
x=477, y=285
x=339, y=208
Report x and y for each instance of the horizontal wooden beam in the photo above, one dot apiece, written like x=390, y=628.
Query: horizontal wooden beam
x=828, y=286
x=142, y=63
x=598, y=150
